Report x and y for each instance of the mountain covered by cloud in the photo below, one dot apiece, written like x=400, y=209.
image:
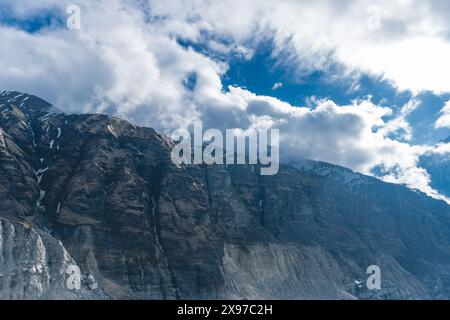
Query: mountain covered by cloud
x=93, y=207
x=163, y=64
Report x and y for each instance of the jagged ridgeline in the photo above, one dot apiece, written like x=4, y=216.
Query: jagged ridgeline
x=97, y=193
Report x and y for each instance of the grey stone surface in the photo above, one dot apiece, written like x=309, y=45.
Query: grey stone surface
x=144, y=228
x=34, y=265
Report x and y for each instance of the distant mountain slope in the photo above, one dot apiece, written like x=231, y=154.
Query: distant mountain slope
x=145, y=228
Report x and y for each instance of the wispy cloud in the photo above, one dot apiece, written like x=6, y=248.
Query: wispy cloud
x=277, y=86
x=444, y=119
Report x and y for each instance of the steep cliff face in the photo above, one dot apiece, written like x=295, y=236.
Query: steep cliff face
x=143, y=227
x=33, y=265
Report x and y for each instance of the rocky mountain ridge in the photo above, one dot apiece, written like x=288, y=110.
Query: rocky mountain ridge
x=102, y=194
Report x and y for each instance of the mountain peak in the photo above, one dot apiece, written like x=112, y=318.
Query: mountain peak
x=25, y=102
x=106, y=193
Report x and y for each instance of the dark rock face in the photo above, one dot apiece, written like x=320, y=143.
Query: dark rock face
x=145, y=228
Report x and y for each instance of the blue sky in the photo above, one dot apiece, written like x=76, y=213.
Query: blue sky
x=41, y=19
x=340, y=88
x=262, y=72
x=266, y=74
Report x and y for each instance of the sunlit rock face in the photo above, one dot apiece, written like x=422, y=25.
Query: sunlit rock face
x=99, y=193
x=34, y=265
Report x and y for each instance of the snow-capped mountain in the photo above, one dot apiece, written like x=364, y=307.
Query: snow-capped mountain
x=339, y=174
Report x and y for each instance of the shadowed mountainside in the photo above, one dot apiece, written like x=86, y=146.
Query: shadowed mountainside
x=105, y=196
